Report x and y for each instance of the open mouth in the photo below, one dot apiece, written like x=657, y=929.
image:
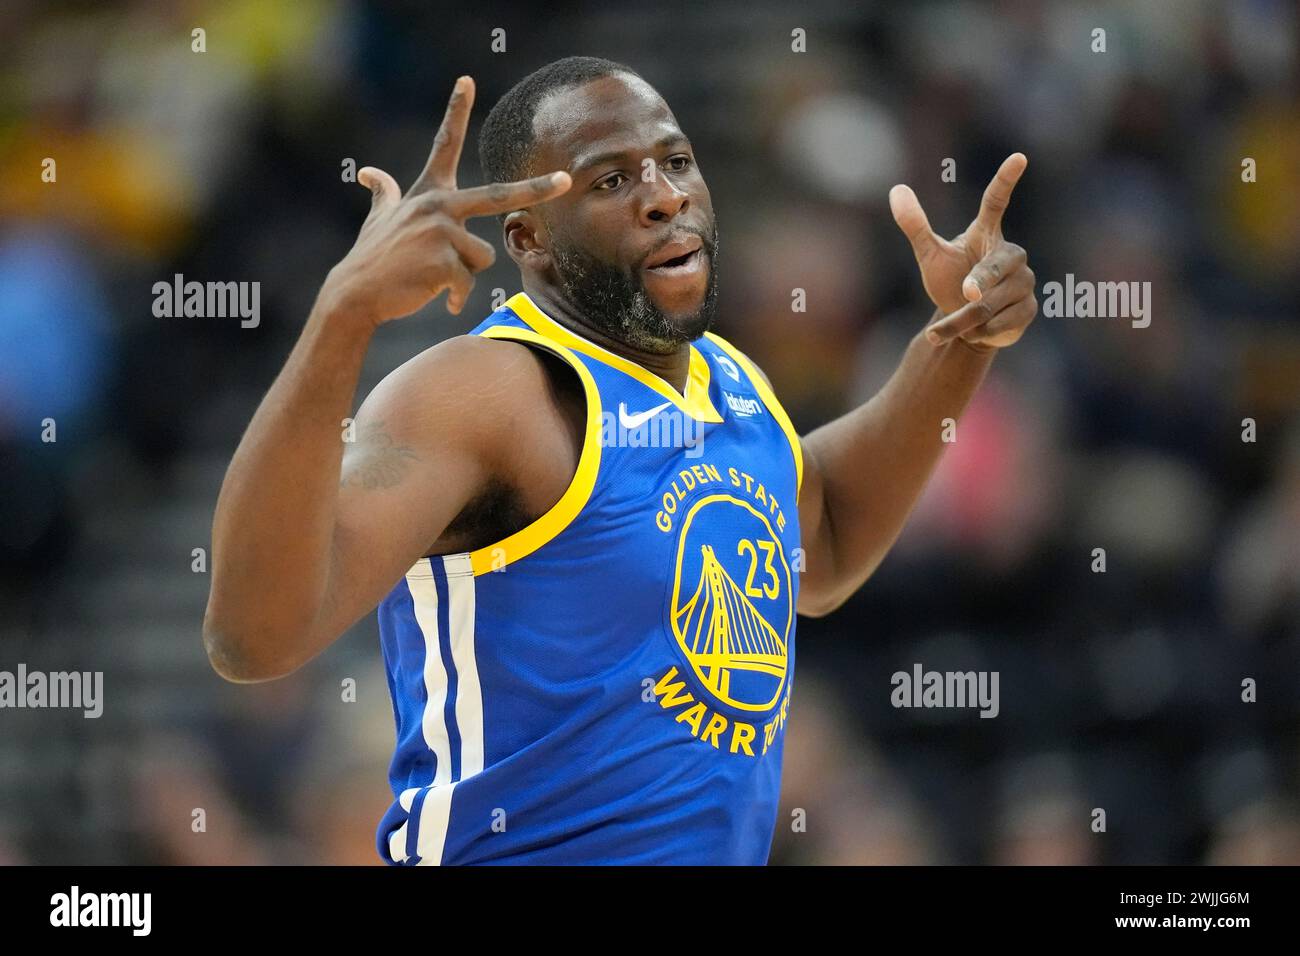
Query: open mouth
x=682, y=262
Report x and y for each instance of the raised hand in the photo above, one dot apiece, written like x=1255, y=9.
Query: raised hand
x=412, y=247
x=981, y=283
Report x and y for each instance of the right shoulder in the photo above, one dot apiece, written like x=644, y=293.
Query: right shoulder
x=466, y=364
x=468, y=390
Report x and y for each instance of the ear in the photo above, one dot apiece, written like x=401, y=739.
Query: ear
x=527, y=241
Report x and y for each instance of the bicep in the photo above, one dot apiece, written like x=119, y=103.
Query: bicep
x=418, y=453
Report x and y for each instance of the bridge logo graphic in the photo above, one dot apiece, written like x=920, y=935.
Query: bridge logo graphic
x=732, y=622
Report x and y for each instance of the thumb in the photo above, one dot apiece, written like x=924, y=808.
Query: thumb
x=912, y=220
x=384, y=191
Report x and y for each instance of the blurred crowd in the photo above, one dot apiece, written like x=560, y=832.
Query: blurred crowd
x=1121, y=690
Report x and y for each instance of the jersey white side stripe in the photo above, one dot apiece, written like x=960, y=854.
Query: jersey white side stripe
x=435, y=813
x=424, y=595
x=469, y=695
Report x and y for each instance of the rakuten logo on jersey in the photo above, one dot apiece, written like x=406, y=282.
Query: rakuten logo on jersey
x=743, y=407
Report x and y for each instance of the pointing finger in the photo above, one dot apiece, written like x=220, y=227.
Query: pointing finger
x=506, y=197
x=997, y=195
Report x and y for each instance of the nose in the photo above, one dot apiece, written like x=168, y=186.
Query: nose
x=663, y=201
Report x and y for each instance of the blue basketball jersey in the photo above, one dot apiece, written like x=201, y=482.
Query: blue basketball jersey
x=610, y=684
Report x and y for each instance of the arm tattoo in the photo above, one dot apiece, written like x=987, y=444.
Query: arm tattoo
x=381, y=462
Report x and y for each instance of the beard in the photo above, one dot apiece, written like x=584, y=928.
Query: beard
x=614, y=300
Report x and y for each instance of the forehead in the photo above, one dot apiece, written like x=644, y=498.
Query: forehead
x=607, y=114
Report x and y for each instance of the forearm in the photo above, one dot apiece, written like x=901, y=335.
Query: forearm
x=275, y=515
x=874, y=461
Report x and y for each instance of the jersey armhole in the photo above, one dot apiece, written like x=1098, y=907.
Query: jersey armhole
x=526, y=540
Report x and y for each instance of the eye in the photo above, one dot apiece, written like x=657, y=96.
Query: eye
x=610, y=182
x=678, y=163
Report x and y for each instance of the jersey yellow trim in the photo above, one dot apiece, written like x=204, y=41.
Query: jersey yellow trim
x=769, y=399
x=528, y=539
x=695, y=402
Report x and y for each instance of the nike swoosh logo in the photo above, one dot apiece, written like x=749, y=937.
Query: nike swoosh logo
x=640, y=418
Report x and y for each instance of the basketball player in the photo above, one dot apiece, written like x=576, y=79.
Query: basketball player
x=588, y=630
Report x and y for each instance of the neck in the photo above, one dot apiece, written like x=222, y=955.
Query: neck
x=673, y=368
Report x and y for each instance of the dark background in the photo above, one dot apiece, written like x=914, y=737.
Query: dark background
x=1119, y=691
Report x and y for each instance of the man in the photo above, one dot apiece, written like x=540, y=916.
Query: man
x=588, y=631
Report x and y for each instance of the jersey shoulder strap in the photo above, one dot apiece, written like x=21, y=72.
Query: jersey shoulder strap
x=764, y=389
